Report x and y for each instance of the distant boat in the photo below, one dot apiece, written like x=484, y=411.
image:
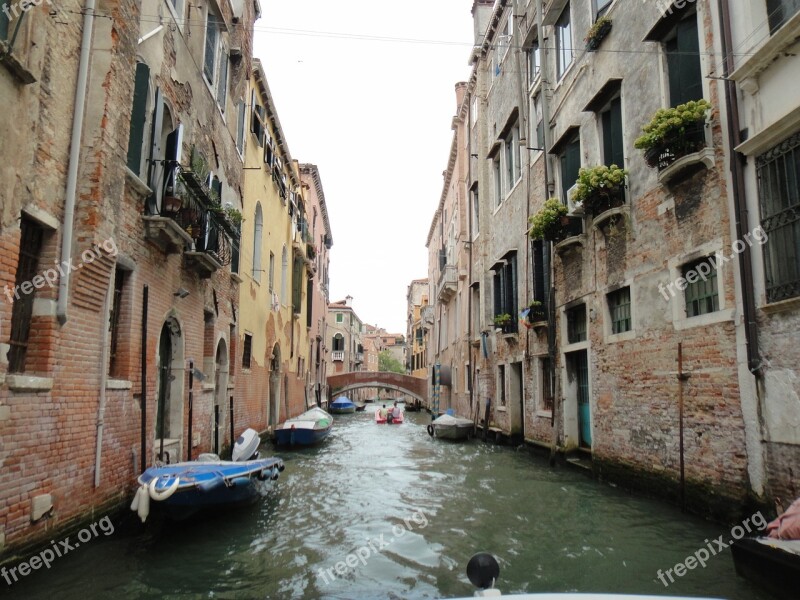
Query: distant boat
x=307, y=429
x=185, y=488
x=342, y=405
x=383, y=420
x=449, y=427
x=360, y=407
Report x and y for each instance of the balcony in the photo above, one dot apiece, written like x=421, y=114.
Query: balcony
x=359, y=358
x=681, y=155
x=182, y=215
x=337, y=356
x=448, y=284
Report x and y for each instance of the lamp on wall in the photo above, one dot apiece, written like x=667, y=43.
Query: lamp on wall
x=181, y=293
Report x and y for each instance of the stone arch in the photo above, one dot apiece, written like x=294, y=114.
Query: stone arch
x=170, y=374
x=274, y=396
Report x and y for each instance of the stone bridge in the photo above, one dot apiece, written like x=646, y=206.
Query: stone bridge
x=413, y=386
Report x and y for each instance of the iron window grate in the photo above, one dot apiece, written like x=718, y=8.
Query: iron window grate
x=702, y=296
x=30, y=246
x=619, y=307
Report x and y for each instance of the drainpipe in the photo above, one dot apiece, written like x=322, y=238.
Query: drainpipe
x=469, y=248
x=739, y=198
x=74, y=157
x=101, y=407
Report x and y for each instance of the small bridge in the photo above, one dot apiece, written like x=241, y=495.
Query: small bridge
x=413, y=386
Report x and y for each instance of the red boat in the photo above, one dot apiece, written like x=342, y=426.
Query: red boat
x=383, y=420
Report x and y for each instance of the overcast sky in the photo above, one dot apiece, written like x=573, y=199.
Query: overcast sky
x=374, y=115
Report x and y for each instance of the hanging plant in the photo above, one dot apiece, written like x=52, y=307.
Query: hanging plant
x=549, y=222
x=671, y=123
x=597, y=32
x=234, y=216
x=599, y=188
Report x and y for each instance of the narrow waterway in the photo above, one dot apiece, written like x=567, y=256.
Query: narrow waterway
x=409, y=511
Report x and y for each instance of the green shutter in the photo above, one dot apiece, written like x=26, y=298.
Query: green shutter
x=683, y=62
x=138, y=116
x=570, y=165
x=3, y=26
x=297, y=284
x=613, y=152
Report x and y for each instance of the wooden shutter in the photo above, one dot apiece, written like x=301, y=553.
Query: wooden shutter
x=156, y=155
x=538, y=271
x=222, y=79
x=138, y=116
x=173, y=153
x=683, y=62
x=211, y=47
x=3, y=26
x=613, y=151
x=570, y=165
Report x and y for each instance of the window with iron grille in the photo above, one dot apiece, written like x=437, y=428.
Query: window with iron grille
x=113, y=322
x=247, y=351
x=619, y=307
x=701, y=294
x=779, y=196
x=546, y=389
x=30, y=246
x=501, y=384
x=576, y=324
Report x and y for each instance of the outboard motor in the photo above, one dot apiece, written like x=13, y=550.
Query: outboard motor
x=482, y=571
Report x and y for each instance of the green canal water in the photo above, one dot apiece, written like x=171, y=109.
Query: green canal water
x=408, y=511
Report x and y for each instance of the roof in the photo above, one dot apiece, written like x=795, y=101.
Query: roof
x=313, y=172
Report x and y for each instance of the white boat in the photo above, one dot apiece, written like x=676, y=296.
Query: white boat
x=449, y=427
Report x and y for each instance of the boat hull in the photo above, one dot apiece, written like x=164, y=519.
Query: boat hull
x=335, y=410
x=384, y=421
x=300, y=437
x=452, y=432
x=774, y=568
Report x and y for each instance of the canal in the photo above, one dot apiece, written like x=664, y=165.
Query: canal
x=408, y=511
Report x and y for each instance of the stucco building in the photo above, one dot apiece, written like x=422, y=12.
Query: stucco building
x=420, y=322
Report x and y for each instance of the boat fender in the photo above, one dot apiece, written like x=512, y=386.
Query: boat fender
x=164, y=494
x=281, y=467
x=263, y=475
x=430, y=430
x=207, y=486
x=239, y=481
x=135, y=503
x=143, y=506
x=275, y=474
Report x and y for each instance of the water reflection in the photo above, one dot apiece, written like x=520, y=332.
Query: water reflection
x=407, y=511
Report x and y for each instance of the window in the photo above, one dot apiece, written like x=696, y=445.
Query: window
x=297, y=284
x=247, y=351
x=570, y=165
x=284, y=274
x=534, y=62
x=545, y=384
x=475, y=290
x=779, y=195
x=271, y=272
x=501, y=384
x=30, y=246
x=257, y=120
x=476, y=222
x=611, y=118
x=240, y=119
x=505, y=289
x=619, y=309
x=576, y=324
x=701, y=293
x=504, y=39
x=541, y=272
x=600, y=7
x=498, y=182
x=257, y=232
x=339, y=318
x=564, y=51
x=215, y=59
x=338, y=343
x=537, y=122
x=141, y=88
x=780, y=11
x=113, y=323
x=4, y=20
x=512, y=157
x=683, y=61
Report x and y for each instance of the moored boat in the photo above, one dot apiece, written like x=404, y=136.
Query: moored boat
x=306, y=429
x=185, y=488
x=770, y=563
x=342, y=406
x=449, y=427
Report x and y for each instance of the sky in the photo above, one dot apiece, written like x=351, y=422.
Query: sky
x=375, y=116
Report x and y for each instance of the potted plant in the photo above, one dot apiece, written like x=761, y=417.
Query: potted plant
x=550, y=223
x=597, y=32
x=502, y=321
x=600, y=188
x=536, y=312
x=233, y=216
x=673, y=133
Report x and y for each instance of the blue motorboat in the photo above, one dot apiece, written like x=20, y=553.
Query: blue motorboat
x=307, y=429
x=342, y=406
x=185, y=488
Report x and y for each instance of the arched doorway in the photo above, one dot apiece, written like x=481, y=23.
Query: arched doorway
x=221, y=392
x=168, y=432
x=274, y=386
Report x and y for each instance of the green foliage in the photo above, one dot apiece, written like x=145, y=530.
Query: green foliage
x=599, y=28
x=502, y=320
x=388, y=363
x=233, y=215
x=600, y=178
x=668, y=122
x=547, y=220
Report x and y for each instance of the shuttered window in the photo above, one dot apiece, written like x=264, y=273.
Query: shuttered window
x=138, y=117
x=505, y=289
x=570, y=165
x=241, y=115
x=3, y=25
x=683, y=62
x=297, y=284
x=210, y=58
x=576, y=324
x=541, y=272
x=222, y=79
x=613, y=151
x=30, y=247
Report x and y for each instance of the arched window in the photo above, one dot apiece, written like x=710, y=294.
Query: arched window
x=259, y=225
x=338, y=342
x=284, y=269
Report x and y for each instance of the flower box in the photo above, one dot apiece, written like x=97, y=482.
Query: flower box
x=597, y=33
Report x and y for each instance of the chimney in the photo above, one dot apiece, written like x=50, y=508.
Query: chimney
x=348, y=301
x=481, y=13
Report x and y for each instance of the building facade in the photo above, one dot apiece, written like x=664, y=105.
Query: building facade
x=419, y=326
x=344, y=331
x=643, y=329
x=136, y=206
